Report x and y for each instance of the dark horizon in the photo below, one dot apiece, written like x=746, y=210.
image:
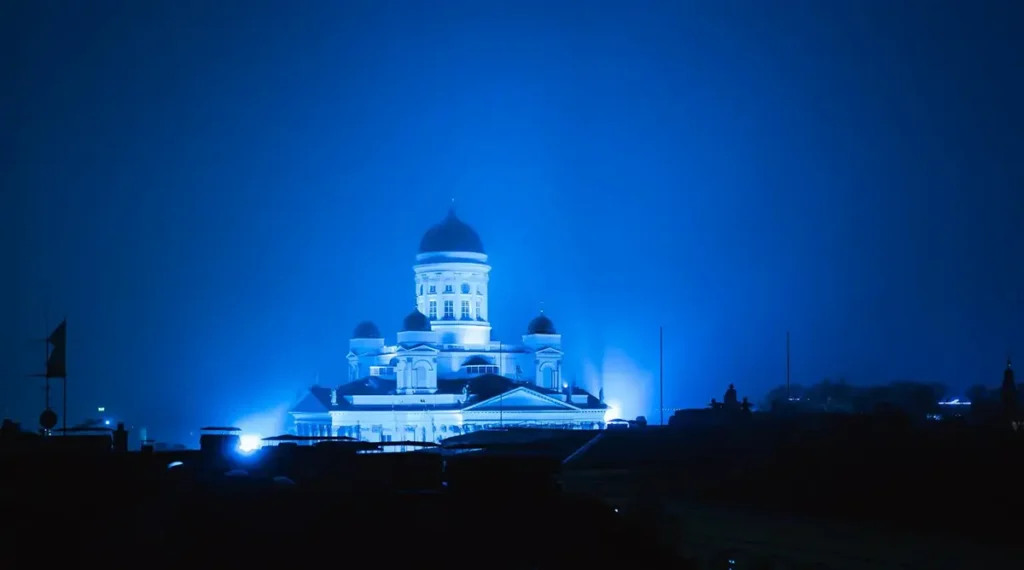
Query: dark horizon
x=216, y=194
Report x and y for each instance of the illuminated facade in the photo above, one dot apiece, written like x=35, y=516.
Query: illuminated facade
x=444, y=375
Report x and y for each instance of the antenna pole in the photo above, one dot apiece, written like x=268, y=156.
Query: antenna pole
x=64, y=414
x=46, y=358
x=661, y=375
x=787, y=366
x=501, y=397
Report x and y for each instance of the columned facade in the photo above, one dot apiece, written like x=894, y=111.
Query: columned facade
x=444, y=375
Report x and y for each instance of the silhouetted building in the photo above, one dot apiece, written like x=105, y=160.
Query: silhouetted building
x=729, y=410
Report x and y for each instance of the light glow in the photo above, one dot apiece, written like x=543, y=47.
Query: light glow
x=612, y=413
x=954, y=402
x=249, y=443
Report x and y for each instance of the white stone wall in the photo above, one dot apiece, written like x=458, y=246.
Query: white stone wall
x=455, y=278
x=416, y=372
x=432, y=426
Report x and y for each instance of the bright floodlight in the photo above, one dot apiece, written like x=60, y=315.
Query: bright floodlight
x=612, y=413
x=249, y=443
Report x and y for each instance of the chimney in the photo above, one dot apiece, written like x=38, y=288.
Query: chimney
x=121, y=438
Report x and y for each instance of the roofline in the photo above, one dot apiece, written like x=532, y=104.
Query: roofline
x=567, y=405
x=427, y=261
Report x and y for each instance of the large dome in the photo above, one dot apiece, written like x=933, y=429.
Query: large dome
x=452, y=234
x=541, y=325
x=416, y=321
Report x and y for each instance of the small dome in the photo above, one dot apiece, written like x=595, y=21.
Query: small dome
x=452, y=234
x=416, y=321
x=366, y=329
x=541, y=325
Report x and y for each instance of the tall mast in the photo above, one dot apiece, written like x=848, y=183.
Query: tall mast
x=64, y=379
x=46, y=355
x=64, y=412
x=46, y=358
x=501, y=397
x=661, y=375
x=787, y=366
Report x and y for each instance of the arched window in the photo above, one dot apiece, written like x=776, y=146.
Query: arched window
x=549, y=377
x=465, y=288
x=421, y=377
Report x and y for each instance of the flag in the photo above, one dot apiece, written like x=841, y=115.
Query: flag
x=56, y=364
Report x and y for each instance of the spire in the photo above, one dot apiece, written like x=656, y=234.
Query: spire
x=542, y=307
x=451, y=209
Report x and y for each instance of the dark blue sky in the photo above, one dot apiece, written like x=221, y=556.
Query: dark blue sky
x=214, y=193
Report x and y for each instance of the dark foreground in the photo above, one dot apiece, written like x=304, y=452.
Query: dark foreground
x=389, y=509
x=765, y=496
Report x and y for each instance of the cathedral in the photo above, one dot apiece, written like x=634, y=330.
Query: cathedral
x=444, y=375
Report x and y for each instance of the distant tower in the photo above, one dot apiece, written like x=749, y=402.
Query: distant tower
x=451, y=282
x=1008, y=392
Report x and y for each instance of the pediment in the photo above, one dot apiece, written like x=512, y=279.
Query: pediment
x=549, y=351
x=521, y=398
x=420, y=348
x=310, y=404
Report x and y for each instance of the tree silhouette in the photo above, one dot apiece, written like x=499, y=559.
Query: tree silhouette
x=914, y=398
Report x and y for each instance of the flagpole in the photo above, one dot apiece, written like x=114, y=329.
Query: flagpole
x=501, y=397
x=661, y=375
x=787, y=367
x=64, y=412
x=46, y=358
